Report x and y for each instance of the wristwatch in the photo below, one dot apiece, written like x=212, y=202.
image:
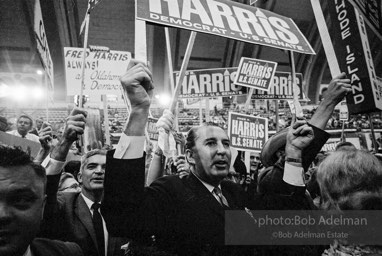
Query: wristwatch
x=293, y=160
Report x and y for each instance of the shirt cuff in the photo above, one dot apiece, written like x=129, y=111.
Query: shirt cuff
x=294, y=175
x=123, y=149
x=52, y=166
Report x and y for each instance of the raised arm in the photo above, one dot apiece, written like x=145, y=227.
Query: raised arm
x=156, y=168
x=45, y=137
x=125, y=166
x=74, y=126
x=337, y=89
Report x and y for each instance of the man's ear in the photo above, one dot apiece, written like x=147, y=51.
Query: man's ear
x=79, y=177
x=190, y=156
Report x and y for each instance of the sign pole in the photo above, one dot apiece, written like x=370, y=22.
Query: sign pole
x=296, y=102
x=80, y=100
x=208, y=119
x=183, y=69
x=47, y=96
x=171, y=72
x=200, y=113
x=343, y=138
x=277, y=115
x=86, y=34
x=247, y=161
x=249, y=98
x=106, y=119
x=171, y=77
x=375, y=144
x=140, y=44
x=169, y=59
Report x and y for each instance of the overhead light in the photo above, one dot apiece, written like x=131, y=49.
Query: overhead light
x=164, y=99
x=4, y=90
x=19, y=93
x=39, y=72
x=38, y=93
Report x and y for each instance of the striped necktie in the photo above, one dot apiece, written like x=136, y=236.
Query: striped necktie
x=217, y=191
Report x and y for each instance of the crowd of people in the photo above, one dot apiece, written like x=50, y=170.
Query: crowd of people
x=130, y=200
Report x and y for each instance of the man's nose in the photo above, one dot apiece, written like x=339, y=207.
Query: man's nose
x=221, y=148
x=100, y=169
x=5, y=213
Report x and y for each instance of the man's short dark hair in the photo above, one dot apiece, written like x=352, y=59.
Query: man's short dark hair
x=15, y=156
x=191, y=135
x=27, y=117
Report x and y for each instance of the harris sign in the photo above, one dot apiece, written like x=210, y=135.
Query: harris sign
x=227, y=19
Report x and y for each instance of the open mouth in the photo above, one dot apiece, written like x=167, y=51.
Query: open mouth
x=221, y=164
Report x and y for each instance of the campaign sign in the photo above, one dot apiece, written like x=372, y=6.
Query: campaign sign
x=152, y=129
x=331, y=144
x=42, y=43
x=372, y=11
x=248, y=133
x=227, y=19
x=354, y=57
x=281, y=88
x=93, y=137
x=255, y=73
x=29, y=146
x=344, y=113
x=102, y=71
x=209, y=83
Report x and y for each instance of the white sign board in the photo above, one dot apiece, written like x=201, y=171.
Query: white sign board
x=227, y=19
x=102, y=71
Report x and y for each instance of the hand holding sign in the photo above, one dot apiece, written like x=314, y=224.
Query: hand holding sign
x=138, y=84
x=337, y=89
x=166, y=121
x=75, y=125
x=45, y=136
x=166, y=140
x=299, y=136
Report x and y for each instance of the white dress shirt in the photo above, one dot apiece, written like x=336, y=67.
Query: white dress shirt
x=28, y=252
x=294, y=175
x=130, y=147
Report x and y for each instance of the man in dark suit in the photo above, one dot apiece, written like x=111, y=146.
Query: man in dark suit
x=22, y=198
x=186, y=216
x=75, y=216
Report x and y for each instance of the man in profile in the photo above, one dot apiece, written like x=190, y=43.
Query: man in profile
x=22, y=199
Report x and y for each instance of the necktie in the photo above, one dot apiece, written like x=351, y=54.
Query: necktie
x=217, y=191
x=98, y=227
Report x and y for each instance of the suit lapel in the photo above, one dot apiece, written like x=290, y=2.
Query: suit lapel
x=230, y=199
x=204, y=195
x=83, y=213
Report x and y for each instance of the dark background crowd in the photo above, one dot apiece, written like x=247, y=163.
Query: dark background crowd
x=137, y=198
